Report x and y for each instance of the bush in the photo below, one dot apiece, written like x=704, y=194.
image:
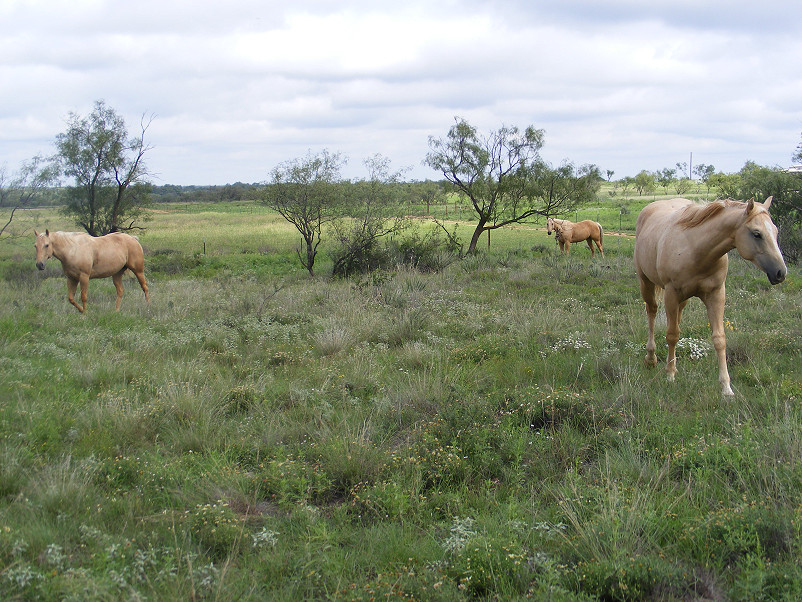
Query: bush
x=487, y=565
x=290, y=481
x=428, y=252
x=216, y=527
x=171, y=262
x=359, y=252
x=729, y=536
x=365, y=250
x=790, y=238
x=633, y=578
x=19, y=271
x=760, y=580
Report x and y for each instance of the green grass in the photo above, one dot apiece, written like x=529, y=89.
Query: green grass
x=488, y=430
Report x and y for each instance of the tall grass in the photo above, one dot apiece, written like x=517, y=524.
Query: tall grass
x=488, y=430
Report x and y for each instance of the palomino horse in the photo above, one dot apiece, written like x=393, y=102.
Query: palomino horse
x=567, y=232
x=681, y=247
x=83, y=257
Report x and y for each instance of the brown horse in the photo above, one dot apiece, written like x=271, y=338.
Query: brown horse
x=83, y=257
x=681, y=247
x=567, y=232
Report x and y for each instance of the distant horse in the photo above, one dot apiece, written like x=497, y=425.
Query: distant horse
x=681, y=247
x=83, y=257
x=567, y=232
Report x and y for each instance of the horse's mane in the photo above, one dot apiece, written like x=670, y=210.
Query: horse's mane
x=699, y=213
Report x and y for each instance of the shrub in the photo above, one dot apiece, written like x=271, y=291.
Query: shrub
x=384, y=500
x=790, y=238
x=428, y=252
x=634, y=578
x=240, y=400
x=548, y=410
x=361, y=251
x=489, y=564
x=730, y=535
x=358, y=251
x=290, y=481
x=760, y=580
x=171, y=262
x=216, y=528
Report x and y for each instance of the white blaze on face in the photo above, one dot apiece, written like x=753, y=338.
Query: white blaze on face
x=769, y=226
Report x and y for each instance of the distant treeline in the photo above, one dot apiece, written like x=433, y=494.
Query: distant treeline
x=169, y=193
x=172, y=193
x=417, y=192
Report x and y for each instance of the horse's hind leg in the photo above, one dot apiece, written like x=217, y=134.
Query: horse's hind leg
x=84, y=281
x=140, y=276
x=599, y=245
x=590, y=244
x=674, y=309
x=117, y=279
x=647, y=291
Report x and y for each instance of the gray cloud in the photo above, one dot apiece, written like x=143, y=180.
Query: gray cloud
x=238, y=87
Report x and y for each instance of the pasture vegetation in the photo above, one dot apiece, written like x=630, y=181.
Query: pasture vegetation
x=487, y=429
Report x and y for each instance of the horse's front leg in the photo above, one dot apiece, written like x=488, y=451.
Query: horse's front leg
x=714, y=302
x=590, y=244
x=72, y=286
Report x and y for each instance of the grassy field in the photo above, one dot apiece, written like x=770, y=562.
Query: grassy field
x=488, y=430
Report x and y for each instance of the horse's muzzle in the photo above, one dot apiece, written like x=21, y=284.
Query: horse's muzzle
x=40, y=265
x=778, y=277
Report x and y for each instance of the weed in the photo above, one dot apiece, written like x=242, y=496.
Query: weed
x=447, y=429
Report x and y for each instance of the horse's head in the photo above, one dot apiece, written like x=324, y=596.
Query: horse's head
x=756, y=241
x=549, y=225
x=44, y=249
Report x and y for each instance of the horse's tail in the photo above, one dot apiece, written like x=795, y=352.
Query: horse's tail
x=601, y=232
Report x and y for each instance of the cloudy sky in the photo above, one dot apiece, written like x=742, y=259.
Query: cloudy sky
x=238, y=86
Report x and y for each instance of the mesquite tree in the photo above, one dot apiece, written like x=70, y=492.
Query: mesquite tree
x=504, y=178
x=305, y=192
x=108, y=168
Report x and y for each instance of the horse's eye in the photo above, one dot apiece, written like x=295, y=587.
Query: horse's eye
x=757, y=234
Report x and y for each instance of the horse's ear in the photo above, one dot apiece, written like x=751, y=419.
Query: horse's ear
x=767, y=202
x=47, y=232
x=750, y=206
x=35, y=233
